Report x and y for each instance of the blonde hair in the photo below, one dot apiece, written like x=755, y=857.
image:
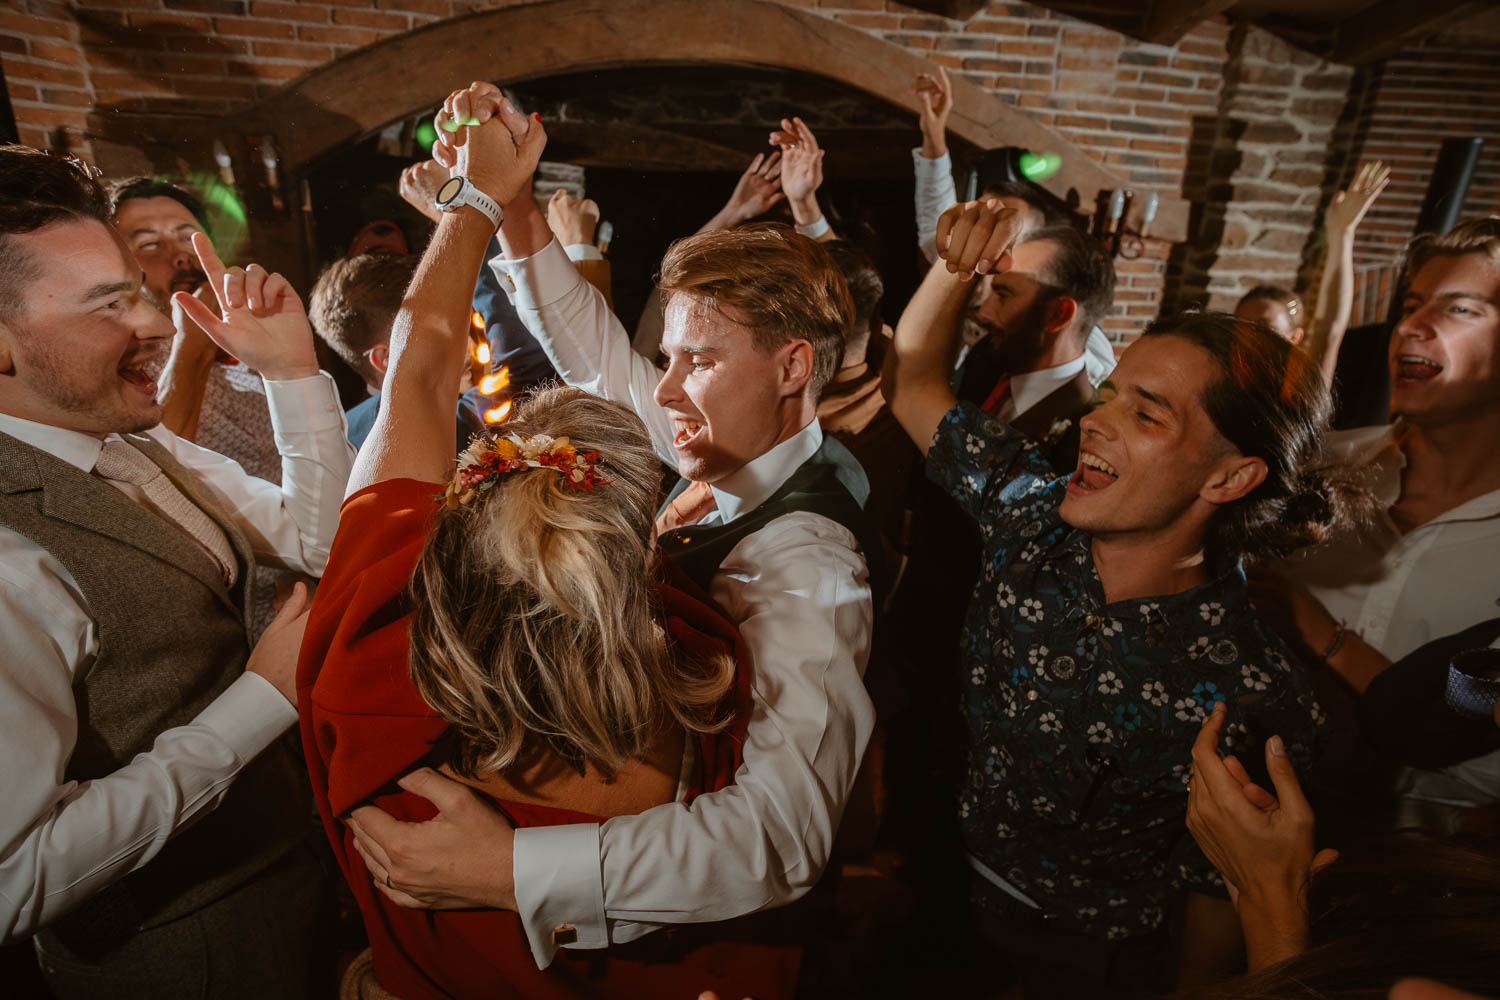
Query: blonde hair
x=535, y=625
x=782, y=285
x=1480, y=235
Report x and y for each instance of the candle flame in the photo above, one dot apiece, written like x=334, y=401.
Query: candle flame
x=498, y=413
x=494, y=382
x=482, y=353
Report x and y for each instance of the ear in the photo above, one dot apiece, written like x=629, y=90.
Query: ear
x=380, y=357
x=1233, y=477
x=1060, y=314
x=1298, y=335
x=796, y=367
x=7, y=366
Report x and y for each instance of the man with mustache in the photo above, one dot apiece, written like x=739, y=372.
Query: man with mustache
x=155, y=830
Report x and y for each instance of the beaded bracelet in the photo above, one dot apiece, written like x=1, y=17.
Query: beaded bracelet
x=1336, y=643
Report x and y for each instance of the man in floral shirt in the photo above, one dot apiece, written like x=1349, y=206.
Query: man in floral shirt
x=1110, y=616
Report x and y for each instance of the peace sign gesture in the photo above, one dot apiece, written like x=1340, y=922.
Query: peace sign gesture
x=262, y=321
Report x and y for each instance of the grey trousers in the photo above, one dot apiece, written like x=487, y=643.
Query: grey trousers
x=272, y=937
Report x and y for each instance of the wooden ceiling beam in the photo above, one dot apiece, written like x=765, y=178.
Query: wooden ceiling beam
x=1169, y=20
x=1388, y=26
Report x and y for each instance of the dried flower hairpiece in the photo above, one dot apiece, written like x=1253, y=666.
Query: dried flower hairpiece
x=486, y=459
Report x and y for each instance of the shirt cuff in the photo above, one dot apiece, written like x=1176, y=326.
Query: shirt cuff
x=815, y=229
x=583, y=251
x=537, y=281
x=248, y=715
x=559, y=884
x=931, y=168
x=300, y=405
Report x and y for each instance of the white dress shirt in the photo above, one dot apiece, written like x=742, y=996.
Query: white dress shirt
x=798, y=590
x=935, y=194
x=1399, y=591
x=60, y=840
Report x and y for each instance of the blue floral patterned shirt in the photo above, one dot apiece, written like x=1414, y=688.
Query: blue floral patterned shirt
x=1080, y=716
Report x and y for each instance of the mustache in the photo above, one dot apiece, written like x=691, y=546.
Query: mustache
x=187, y=274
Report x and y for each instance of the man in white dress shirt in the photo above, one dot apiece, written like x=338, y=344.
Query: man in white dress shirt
x=131, y=704
x=735, y=412
x=1425, y=567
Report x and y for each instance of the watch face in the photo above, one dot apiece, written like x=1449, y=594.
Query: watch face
x=449, y=190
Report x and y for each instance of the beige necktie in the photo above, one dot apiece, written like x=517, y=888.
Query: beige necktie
x=121, y=462
x=691, y=506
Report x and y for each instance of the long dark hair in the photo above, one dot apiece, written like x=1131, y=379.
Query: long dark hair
x=1270, y=401
x=1401, y=905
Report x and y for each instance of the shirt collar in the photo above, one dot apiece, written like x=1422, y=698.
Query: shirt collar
x=1031, y=388
x=74, y=447
x=753, y=483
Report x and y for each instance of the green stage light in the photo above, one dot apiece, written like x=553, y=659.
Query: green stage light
x=1038, y=167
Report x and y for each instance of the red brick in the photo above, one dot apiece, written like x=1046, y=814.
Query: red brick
x=888, y=21
x=36, y=72
x=172, y=24
x=25, y=24
x=303, y=51
x=310, y=13
x=249, y=28
x=339, y=36
x=57, y=52
x=442, y=8
x=372, y=19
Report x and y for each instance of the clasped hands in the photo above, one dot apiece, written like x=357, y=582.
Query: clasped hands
x=500, y=153
x=976, y=238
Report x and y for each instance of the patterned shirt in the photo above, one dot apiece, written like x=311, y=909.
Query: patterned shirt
x=1080, y=716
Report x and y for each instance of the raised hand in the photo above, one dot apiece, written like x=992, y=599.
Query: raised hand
x=1350, y=205
x=801, y=167
x=573, y=220
x=419, y=185
x=935, y=94
x=261, y=319
x=460, y=859
x=499, y=154
x=758, y=188
x=977, y=237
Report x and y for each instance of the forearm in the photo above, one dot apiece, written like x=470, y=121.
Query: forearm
x=87, y=836
x=1357, y=662
x=724, y=218
x=182, y=384
x=1212, y=942
x=920, y=358
x=934, y=193
x=1274, y=924
x=1335, y=303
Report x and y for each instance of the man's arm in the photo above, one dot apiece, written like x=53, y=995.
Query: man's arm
x=569, y=318
x=1336, y=295
x=935, y=192
x=61, y=841
x=974, y=240
x=758, y=188
x=801, y=176
x=184, y=378
x=262, y=322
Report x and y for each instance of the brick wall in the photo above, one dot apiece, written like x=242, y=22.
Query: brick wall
x=1161, y=116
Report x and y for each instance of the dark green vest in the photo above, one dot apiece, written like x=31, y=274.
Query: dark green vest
x=830, y=483
x=171, y=638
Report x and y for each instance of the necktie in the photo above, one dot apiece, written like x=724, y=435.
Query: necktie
x=691, y=506
x=121, y=462
x=997, y=397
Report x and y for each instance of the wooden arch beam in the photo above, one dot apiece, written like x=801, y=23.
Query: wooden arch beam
x=389, y=80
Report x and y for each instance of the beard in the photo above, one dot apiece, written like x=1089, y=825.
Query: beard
x=1014, y=348
x=92, y=398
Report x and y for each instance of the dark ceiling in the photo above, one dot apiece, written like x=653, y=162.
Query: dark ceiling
x=1346, y=31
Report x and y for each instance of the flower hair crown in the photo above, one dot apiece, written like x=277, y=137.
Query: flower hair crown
x=486, y=459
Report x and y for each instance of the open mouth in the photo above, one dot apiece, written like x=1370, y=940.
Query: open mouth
x=1413, y=369
x=136, y=373
x=186, y=281
x=1093, y=474
x=687, y=430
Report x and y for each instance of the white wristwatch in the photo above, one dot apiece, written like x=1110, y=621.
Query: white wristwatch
x=457, y=192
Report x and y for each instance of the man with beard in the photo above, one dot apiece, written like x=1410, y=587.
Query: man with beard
x=155, y=832
x=207, y=396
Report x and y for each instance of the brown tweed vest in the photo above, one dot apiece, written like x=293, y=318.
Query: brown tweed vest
x=172, y=637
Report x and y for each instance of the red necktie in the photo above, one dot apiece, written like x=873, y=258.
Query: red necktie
x=997, y=397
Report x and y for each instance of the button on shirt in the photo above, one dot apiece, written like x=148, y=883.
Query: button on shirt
x=798, y=590
x=1079, y=715
x=1400, y=591
x=61, y=840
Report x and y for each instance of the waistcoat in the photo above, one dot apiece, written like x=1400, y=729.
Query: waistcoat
x=831, y=483
x=171, y=638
